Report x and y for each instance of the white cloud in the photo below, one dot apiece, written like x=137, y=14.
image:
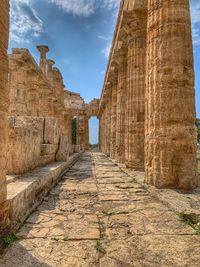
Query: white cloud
x=84, y=8
x=25, y=22
x=195, y=15
x=106, y=50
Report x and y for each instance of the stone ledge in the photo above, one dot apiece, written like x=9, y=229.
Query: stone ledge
x=26, y=192
x=172, y=198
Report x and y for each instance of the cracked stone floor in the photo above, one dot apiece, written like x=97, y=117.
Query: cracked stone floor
x=99, y=216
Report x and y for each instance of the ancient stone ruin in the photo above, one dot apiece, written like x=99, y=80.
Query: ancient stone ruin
x=146, y=110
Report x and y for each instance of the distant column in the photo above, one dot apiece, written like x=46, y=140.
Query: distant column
x=136, y=63
x=113, y=121
x=121, y=106
x=170, y=107
x=43, y=51
x=50, y=64
x=107, y=121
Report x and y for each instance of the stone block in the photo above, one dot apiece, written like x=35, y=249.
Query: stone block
x=51, y=131
x=23, y=150
x=63, y=151
x=48, y=149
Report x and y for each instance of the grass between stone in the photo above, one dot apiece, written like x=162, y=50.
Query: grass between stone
x=9, y=239
x=190, y=219
x=99, y=245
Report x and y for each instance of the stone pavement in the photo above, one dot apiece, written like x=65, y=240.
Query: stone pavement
x=99, y=216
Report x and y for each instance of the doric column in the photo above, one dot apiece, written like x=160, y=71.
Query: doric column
x=121, y=106
x=4, y=105
x=170, y=106
x=50, y=64
x=135, y=91
x=103, y=131
x=100, y=133
x=43, y=51
x=113, y=120
x=108, y=121
x=87, y=142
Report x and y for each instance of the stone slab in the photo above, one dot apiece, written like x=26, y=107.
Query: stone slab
x=26, y=192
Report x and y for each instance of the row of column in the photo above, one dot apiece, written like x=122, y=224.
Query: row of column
x=148, y=116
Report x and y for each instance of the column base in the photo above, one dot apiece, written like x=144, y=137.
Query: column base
x=137, y=165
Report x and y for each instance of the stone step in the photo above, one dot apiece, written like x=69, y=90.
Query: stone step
x=26, y=192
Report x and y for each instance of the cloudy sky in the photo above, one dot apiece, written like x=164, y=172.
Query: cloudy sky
x=79, y=34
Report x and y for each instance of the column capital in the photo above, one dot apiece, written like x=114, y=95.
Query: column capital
x=43, y=49
x=50, y=62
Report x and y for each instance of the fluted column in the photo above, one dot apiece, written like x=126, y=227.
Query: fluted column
x=87, y=142
x=103, y=131
x=107, y=122
x=109, y=109
x=113, y=121
x=170, y=106
x=136, y=60
x=120, y=120
x=50, y=64
x=43, y=49
x=4, y=105
x=100, y=133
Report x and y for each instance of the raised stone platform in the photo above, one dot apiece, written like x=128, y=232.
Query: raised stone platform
x=26, y=192
x=176, y=200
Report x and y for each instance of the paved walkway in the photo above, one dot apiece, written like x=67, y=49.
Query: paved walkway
x=99, y=216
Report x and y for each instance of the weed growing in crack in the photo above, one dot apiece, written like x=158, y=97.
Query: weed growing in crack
x=184, y=217
x=197, y=228
x=55, y=238
x=99, y=247
x=66, y=238
x=189, y=220
x=102, y=230
x=9, y=239
x=107, y=213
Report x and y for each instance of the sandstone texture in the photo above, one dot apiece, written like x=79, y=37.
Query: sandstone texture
x=100, y=216
x=150, y=77
x=4, y=105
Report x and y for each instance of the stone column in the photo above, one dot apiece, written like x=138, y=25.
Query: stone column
x=43, y=51
x=108, y=121
x=121, y=105
x=50, y=64
x=113, y=121
x=4, y=105
x=100, y=134
x=87, y=142
x=170, y=107
x=135, y=91
x=107, y=137
x=103, y=131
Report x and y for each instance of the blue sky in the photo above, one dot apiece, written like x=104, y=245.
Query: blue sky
x=79, y=34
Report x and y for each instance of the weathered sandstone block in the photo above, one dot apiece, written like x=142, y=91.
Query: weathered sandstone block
x=51, y=133
x=63, y=150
